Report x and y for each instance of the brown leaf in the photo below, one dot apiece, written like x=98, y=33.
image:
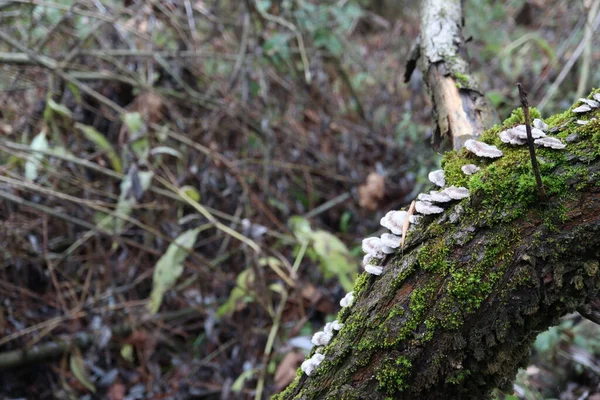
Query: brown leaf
x=116, y=392
x=371, y=192
x=286, y=370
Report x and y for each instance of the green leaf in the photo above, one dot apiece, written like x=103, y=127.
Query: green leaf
x=133, y=121
x=102, y=143
x=78, y=369
x=238, y=385
x=127, y=353
x=170, y=267
x=240, y=292
x=59, y=109
x=192, y=192
x=39, y=142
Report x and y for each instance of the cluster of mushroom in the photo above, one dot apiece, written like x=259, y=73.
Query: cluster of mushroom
x=587, y=106
x=398, y=222
x=321, y=338
x=518, y=135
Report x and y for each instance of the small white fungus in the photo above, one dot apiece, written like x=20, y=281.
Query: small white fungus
x=426, y=208
x=439, y=197
x=456, y=193
x=551, y=142
x=367, y=258
x=469, y=169
x=415, y=219
x=388, y=250
x=582, y=109
x=321, y=338
x=374, y=269
x=437, y=177
x=333, y=326
x=518, y=134
x=510, y=136
x=394, y=221
x=591, y=103
x=424, y=197
x=347, y=300
x=596, y=97
x=539, y=124
x=390, y=240
x=482, y=149
x=309, y=366
x=372, y=245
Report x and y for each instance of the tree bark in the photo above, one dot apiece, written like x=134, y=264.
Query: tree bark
x=461, y=111
x=455, y=315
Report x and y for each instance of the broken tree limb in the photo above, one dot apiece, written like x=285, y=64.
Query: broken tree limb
x=455, y=316
x=461, y=111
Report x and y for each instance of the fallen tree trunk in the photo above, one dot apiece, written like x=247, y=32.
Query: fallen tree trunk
x=455, y=315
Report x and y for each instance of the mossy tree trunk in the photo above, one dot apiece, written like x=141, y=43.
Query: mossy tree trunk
x=455, y=315
x=461, y=111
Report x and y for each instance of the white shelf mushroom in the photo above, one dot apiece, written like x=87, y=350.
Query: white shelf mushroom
x=437, y=177
x=390, y=240
x=309, y=366
x=551, y=142
x=469, y=169
x=591, y=103
x=347, y=300
x=394, y=220
x=439, y=197
x=372, y=246
x=539, y=124
x=481, y=149
x=333, y=326
x=424, y=197
x=426, y=208
x=374, y=269
x=456, y=193
x=321, y=338
x=582, y=109
x=518, y=134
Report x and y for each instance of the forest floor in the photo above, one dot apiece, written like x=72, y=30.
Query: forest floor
x=182, y=200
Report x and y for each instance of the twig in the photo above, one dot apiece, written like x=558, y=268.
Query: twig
x=586, y=61
x=534, y=164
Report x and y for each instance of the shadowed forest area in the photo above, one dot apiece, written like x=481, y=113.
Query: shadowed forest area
x=185, y=185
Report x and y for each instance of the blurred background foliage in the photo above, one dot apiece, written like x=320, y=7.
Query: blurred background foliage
x=184, y=185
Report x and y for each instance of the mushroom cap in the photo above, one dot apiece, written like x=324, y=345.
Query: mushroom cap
x=439, y=197
x=456, y=193
x=394, y=220
x=426, y=208
x=540, y=124
x=551, y=142
x=347, y=300
x=469, y=169
x=582, y=109
x=372, y=245
x=424, y=197
x=518, y=134
x=390, y=240
x=438, y=177
x=332, y=326
x=591, y=103
x=374, y=269
x=482, y=149
x=321, y=338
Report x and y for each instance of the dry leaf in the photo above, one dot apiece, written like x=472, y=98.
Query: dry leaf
x=286, y=370
x=371, y=193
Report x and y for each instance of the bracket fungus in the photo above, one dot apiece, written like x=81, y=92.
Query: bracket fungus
x=539, y=124
x=469, y=169
x=394, y=220
x=347, y=300
x=321, y=338
x=333, y=326
x=591, y=103
x=427, y=208
x=481, y=149
x=437, y=177
x=582, y=109
x=456, y=193
x=309, y=366
x=372, y=246
x=551, y=142
x=374, y=269
x=390, y=240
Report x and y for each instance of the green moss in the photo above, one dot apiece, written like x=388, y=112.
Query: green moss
x=432, y=257
x=392, y=375
x=458, y=377
x=462, y=80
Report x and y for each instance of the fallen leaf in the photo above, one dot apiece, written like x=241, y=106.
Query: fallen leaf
x=286, y=370
x=371, y=192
